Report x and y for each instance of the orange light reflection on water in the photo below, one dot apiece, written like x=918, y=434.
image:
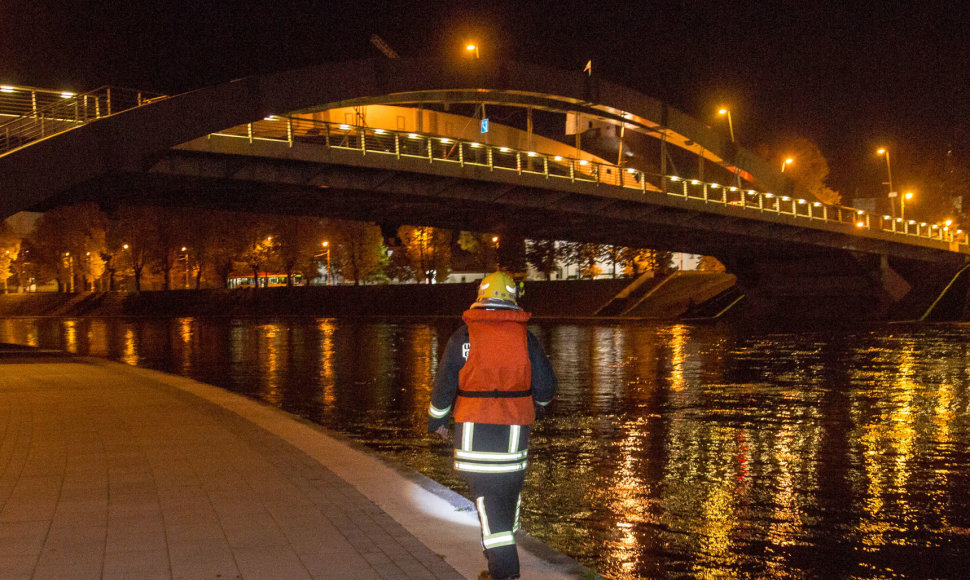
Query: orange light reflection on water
x=69, y=327
x=272, y=344
x=327, y=375
x=129, y=352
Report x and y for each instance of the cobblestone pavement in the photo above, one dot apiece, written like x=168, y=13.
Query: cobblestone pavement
x=108, y=471
x=103, y=478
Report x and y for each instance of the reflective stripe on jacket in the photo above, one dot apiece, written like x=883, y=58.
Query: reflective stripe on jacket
x=494, y=385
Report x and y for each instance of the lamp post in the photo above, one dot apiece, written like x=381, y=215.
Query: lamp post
x=725, y=111
x=889, y=174
x=902, y=204
x=326, y=246
x=128, y=259
x=472, y=47
x=495, y=243
x=87, y=262
x=737, y=170
x=70, y=263
x=185, y=255
x=788, y=161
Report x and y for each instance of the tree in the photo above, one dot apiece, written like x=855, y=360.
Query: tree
x=612, y=254
x=9, y=250
x=637, y=261
x=65, y=238
x=543, y=255
x=481, y=246
x=222, y=245
x=172, y=233
x=23, y=266
x=259, y=248
x=585, y=256
x=428, y=250
x=205, y=231
x=113, y=251
x=398, y=265
x=136, y=231
x=809, y=168
x=298, y=241
x=91, y=267
x=510, y=253
x=359, y=253
x=942, y=191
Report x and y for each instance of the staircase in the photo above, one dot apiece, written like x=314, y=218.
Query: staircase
x=629, y=295
x=28, y=114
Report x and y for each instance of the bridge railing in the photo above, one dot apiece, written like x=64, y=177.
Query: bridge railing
x=438, y=149
x=38, y=114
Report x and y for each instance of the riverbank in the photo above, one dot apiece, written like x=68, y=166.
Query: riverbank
x=572, y=298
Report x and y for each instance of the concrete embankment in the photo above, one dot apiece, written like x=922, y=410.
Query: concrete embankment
x=570, y=298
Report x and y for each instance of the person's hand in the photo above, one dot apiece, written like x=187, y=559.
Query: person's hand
x=443, y=432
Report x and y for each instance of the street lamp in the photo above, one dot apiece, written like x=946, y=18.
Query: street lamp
x=889, y=173
x=725, y=111
x=902, y=204
x=788, y=161
x=70, y=263
x=326, y=246
x=472, y=47
x=495, y=242
x=185, y=255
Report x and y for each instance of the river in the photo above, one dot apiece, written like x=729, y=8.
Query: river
x=672, y=451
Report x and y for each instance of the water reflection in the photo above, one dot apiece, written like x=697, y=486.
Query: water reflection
x=327, y=373
x=673, y=451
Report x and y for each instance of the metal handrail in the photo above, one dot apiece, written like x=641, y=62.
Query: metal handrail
x=67, y=112
x=437, y=149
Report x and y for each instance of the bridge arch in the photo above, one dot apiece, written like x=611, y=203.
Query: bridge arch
x=131, y=140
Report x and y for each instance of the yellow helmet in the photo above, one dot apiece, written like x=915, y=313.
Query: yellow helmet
x=497, y=286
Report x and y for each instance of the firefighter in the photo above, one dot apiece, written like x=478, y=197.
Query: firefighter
x=495, y=379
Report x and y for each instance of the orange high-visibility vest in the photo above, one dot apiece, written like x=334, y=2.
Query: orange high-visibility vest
x=494, y=386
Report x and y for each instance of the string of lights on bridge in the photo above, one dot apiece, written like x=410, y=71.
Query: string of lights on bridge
x=437, y=149
x=65, y=110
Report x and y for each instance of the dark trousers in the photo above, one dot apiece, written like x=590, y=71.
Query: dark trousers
x=497, y=499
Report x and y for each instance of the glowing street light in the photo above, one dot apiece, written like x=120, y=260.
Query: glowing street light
x=725, y=111
x=788, y=161
x=902, y=204
x=472, y=47
x=185, y=256
x=889, y=173
x=737, y=170
x=70, y=263
x=326, y=246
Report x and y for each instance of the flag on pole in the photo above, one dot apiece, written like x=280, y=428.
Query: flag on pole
x=589, y=68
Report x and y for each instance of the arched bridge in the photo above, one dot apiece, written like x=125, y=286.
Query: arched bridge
x=272, y=143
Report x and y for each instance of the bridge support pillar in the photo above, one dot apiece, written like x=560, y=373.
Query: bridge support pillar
x=819, y=284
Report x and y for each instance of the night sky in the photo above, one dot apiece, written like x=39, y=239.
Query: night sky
x=848, y=75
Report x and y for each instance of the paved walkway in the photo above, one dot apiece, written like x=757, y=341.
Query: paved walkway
x=110, y=471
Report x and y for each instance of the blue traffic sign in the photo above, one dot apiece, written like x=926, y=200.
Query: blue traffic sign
x=485, y=125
